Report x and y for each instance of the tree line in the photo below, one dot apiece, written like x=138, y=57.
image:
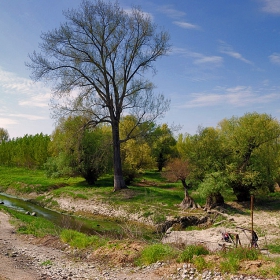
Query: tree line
x=241, y=154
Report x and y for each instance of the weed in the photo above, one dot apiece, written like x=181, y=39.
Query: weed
x=46, y=263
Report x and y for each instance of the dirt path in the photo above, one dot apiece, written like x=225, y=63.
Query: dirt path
x=21, y=258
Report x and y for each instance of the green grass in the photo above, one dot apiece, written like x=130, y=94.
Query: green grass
x=36, y=226
x=190, y=251
x=233, y=257
x=156, y=252
x=80, y=240
x=27, y=180
x=274, y=247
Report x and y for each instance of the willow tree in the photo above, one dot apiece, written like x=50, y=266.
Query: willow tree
x=96, y=62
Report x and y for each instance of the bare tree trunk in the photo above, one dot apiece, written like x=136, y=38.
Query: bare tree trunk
x=188, y=201
x=118, y=175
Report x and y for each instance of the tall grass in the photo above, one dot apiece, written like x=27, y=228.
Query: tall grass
x=235, y=256
x=80, y=240
x=156, y=252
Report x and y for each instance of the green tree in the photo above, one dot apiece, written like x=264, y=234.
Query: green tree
x=79, y=151
x=4, y=135
x=163, y=145
x=203, y=151
x=251, y=150
x=102, y=52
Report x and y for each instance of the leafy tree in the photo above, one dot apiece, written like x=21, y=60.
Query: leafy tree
x=4, y=135
x=163, y=145
x=203, y=151
x=251, y=150
x=30, y=151
x=211, y=187
x=179, y=170
x=77, y=150
x=96, y=61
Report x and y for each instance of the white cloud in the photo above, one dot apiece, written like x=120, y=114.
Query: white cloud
x=271, y=6
x=186, y=25
x=28, y=117
x=239, y=96
x=170, y=12
x=200, y=59
x=226, y=49
x=275, y=58
x=5, y=122
x=24, y=91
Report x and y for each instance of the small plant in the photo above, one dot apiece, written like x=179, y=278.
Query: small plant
x=156, y=252
x=191, y=251
x=46, y=263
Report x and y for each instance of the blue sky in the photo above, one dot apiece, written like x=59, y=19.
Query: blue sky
x=224, y=62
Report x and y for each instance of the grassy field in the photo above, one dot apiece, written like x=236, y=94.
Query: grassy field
x=150, y=194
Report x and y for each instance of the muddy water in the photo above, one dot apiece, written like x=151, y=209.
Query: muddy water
x=62, y=220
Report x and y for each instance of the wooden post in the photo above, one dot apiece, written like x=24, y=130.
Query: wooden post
x=252, y=221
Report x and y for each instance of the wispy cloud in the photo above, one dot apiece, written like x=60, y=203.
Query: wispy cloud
x=275, y=58
x=239, y=96
x=228, y=50
x=271, y=6
x=186, y=25
x=26, y=91
x=199, y=58
x=170, y=12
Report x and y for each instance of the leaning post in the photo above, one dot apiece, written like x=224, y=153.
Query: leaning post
x=252, y=220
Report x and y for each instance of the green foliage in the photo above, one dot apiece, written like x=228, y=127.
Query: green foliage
x=79, y=151
x=156, y=252
x=30, y=151
x=190, y=251
x=213, y=183
x=80, y=240
x=252, y=152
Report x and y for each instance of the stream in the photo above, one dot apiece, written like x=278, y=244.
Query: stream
x=62, y=220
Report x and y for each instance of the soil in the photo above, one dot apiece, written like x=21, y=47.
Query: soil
x=28, y=258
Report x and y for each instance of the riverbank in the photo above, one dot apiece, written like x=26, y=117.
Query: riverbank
x=29, y=258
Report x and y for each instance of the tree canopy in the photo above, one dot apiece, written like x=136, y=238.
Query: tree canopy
x=96, y=61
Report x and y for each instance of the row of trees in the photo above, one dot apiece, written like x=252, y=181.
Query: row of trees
x=241, y=154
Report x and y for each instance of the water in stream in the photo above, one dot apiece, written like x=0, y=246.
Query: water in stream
x=62, y=220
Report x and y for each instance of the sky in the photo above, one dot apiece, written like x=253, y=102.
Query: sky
x=224, y=60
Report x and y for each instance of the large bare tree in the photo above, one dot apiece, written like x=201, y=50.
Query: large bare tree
x=96, y=62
